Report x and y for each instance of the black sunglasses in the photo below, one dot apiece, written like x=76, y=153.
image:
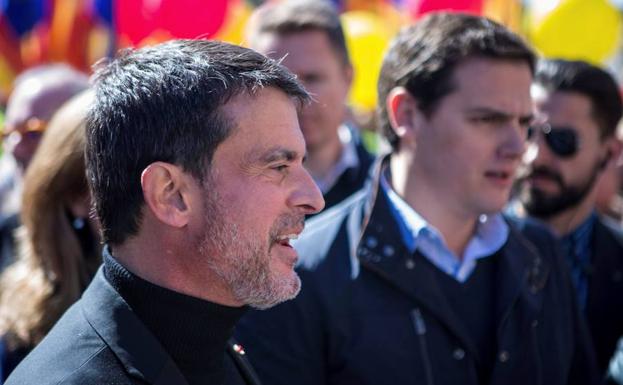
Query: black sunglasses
x=563, y=141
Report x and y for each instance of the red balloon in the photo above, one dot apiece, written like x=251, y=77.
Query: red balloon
x=187, y=19
x=134, y=20
x=418, y=8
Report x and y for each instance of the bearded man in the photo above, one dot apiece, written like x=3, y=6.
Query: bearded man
x=195, y=160
x=574, y=143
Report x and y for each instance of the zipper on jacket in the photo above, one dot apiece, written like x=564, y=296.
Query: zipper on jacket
x=420, y=330
x=537, y=351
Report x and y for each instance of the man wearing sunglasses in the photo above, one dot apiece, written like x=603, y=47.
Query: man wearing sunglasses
x=581, y=107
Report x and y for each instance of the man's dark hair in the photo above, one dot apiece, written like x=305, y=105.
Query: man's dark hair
x=163, y=103
x=422, y=58
x=586, y=79
x=295, y=16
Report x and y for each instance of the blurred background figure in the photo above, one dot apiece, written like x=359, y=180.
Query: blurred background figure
x=308, y=37
x=58, y=247
x=37, y=94
x=573, y=147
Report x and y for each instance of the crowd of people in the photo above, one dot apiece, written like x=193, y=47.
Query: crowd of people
x=206, y=213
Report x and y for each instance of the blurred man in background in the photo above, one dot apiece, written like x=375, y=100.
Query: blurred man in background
x=307, y=36
x=581, y=107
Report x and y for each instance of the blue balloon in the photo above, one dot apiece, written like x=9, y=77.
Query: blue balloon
x=103, y=10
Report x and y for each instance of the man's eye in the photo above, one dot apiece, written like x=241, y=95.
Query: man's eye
x=311, y=78
x=280, y=168
x=486, y=119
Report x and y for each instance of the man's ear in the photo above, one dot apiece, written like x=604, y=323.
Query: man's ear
x=404, y=116
x=348, y=75
x=613, y=149
x=616, y=149
x=166, y=191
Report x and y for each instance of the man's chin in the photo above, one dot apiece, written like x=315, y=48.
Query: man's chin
x=283, y=290
x=289, y=287
x=544, y=188
x=540, y=205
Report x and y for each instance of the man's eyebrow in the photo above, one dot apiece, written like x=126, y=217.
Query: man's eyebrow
x=277, y=154
x=500, y=114
x=527, y=119
x=488, y=111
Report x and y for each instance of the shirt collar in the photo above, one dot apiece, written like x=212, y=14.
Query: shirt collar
x=348, y=159
x=582, y=233
x=490, y=235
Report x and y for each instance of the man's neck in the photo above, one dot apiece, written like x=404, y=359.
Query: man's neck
x=567, y=221
x=455, y=225
x=321, y=159
x=171, y=269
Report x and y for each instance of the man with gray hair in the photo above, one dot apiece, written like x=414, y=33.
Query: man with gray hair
x=195, y=163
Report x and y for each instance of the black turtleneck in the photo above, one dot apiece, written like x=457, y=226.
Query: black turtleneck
x=193, y=331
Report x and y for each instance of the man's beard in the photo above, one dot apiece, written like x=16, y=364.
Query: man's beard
x=242, y=260
x=544, y=206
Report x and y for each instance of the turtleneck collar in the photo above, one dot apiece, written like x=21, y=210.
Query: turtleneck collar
x=193, y=331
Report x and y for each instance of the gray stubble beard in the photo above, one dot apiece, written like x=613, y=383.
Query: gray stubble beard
x=243, y=263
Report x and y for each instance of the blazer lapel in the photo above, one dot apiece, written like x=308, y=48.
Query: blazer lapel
x=138, y=350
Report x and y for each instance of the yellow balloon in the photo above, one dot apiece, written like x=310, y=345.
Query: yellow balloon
x=233, y=29
x=578, y=29
x=366, y=37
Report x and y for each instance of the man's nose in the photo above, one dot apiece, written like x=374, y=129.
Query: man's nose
x=515, y=142
x=307, y=194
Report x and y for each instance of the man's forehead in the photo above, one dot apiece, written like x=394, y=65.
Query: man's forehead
x=244, y=106
x=495, y=84
x=277, y=44
x=266, y=121
x=33, y=99
x=565, y=106
x=510, y=106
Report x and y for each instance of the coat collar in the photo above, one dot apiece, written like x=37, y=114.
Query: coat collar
x=137, y=349
x=522, y=272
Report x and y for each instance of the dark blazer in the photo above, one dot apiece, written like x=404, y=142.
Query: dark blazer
x=99, y=340
x=371, y=313
x=604, y=308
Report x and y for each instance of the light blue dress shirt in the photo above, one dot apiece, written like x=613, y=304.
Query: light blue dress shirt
x=491, y=234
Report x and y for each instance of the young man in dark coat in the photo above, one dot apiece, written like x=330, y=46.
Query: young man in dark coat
x=419, y=279
x=575, y=141
x=194, y=156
